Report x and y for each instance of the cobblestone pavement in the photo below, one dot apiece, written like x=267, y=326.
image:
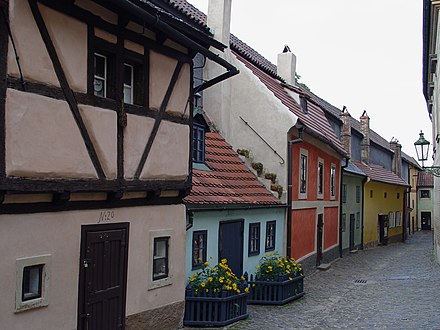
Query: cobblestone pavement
x=402, y=291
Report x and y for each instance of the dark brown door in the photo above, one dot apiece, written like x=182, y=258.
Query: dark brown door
x=103, y=276
x=426, y=220
x=230, y=244
x=319, y=231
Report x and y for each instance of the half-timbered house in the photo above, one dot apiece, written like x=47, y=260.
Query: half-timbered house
x=95, y=131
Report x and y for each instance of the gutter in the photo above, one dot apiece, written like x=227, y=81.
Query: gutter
x=289, y=189
x=364, y=181
x=157, y=22
x=340, y=205
x=192, y=208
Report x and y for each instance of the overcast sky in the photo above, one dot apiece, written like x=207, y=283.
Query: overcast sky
x=366, y=55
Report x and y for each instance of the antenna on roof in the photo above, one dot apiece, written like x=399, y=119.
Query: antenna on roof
x=364, y=113
x=286, y=49
x=344, y=108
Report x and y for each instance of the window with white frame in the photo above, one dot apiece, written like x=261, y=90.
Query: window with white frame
x=303, y=169
x=320, y=182
x=391, y=220
x=160, y=264
x=32, y=282
x=100, y=78
x=254, y=239
x=199, y=248
x=160, y=258
x=270, y=235
x=398, y=218
x=333, y=182
x=128, y=83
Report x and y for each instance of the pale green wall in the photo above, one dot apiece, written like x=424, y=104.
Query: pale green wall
x=351, y=207
x=210, y=220
x=425, y=205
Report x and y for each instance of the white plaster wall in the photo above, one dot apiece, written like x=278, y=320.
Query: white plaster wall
x=58, y=234
x=169, y=154
x=266, y=114
x=178, y=103
x=43, y=140
x=161, y=71
x=101, y=125
x=69, y=37
x=28, y=41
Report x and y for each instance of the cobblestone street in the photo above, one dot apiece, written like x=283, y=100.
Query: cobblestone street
x=402, y=291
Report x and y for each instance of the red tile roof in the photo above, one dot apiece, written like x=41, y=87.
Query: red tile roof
x=425, y=179
x=229, y=181
x=380, y=174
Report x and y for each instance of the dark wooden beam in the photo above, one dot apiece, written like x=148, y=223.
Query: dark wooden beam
x=61, y=198
x=162, y=109
x=68, y=93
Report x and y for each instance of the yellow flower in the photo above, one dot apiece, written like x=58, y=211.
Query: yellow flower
x=253, y=285
x=242, y=278
x=203, y=284
x=224, y=260
x=207, y=290
x=246, y=289
x=191, y=279
x=257, y=266
x=238, y=291
x=206, y=263
x=221, y=279
x=210, y=279
x=290, y=278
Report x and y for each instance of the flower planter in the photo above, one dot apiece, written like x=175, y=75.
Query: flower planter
x=277, y=292
x=214, y=310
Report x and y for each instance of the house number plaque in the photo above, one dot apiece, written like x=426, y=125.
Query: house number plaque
x=106, y=216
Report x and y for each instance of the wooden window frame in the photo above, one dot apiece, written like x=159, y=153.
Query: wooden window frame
x=270, y=236
x=254, y=239
x=196, y=262
x=160, y=276
x=198, y=154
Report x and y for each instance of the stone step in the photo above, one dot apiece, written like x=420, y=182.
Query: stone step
x=324, y=266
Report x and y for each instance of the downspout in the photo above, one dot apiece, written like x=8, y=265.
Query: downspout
x=155, y=21
x=364, y=181
x=340, y=205
x=289, y=188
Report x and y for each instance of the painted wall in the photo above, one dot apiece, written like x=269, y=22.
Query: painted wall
x=352, y=207
x=413, y=202
x=331, y=227
x=209, y=220
x=304, y=222
x=425, y=205
x=355, y=146
x=59, y=235
x=380, y=157
x=379, y=204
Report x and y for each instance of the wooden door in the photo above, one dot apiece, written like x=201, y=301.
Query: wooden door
x=352, y=226
x=426, y=220
x=103, y=276
x=230, y=244
x=319, y=231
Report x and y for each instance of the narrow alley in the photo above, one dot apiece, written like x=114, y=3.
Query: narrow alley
x=390, y=287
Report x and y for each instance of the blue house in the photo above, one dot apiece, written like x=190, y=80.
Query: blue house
x=230, y=213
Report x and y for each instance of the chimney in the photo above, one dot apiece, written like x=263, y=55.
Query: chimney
x=219, y=19
x=346, y=130
x=365, y=144
x=397, y=159
x=286, y=66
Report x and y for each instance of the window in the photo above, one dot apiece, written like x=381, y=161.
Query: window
x=398, y=219
x=358, y=220
x=303, y=175
x=254, y=239
x=32, y=282
x=198, y=143
x=391, y=220
x=358, y=194
x=160, y=258
x=270, y=235
x=199, y=248
x=344, y=193
x=333, y=182
x=320, y=179
x=425, y=194
x=303, y=104
x=344, y=221
x=104, y=83
x=398, y=195
x=371, y=193
x=100, y=81
x=385, y=195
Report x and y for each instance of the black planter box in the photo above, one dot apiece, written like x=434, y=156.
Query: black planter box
x=214, y=310
x=276, y=292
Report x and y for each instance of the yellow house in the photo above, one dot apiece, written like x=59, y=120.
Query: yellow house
x=385, y=196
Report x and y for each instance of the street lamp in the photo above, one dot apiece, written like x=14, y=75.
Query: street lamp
x=422, y=149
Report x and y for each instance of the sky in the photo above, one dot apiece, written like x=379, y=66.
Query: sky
x=366, y=55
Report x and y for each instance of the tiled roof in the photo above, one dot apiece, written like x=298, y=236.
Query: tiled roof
x=315, y=121
x=352, y=168
x=411, y=160
x=229, y=182
x=380, y=174
x=425, y=179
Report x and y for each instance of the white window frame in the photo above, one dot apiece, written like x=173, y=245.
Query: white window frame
x=320, y=195
x=104, y=79
x=391, y=220
x=43, y=300
x=398, y=218
x=154, y=284
x=131, y=86
x=333, y=182
x=303, y=152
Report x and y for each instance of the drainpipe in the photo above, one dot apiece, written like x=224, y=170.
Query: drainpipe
x=340, y=205
x=289, y=187
x=364, y=181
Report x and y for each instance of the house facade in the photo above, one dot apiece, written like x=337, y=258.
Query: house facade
x=431, y=91
x=231, y=214
x=425, y=205
x=95, y=162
